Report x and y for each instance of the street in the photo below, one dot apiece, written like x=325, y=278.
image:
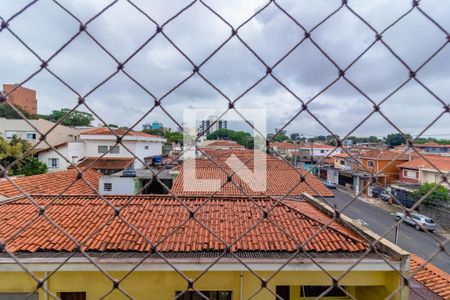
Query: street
x=379, y=221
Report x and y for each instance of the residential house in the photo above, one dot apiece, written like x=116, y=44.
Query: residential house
x=154, y=249
x=378, y=164
x=99, y=144
x=284, y=148
x=22, y=129
x=427, y=281
x=432, y=147
x=426, y=169
x=222, y=145
x=66, y=182
x=308, y=155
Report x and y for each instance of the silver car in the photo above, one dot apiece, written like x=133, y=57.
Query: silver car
x=417, y=220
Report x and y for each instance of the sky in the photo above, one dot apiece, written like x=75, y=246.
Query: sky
x=233, y=69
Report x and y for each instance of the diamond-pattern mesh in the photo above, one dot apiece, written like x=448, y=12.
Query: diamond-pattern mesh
x=120, y=67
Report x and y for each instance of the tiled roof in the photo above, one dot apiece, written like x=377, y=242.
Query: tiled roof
x=113, y=163
x=224, y=143
x=118, y=132
x=51, y=183
x=440, y=162
x=432, y=145
x=162, y=218
x=435, y=279
x=343, y=154
x=281, y=179
x=383, y=155
x=284, y=145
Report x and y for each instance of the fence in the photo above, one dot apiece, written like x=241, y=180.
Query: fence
x=84, y=100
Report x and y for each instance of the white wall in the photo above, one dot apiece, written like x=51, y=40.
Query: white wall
x=430, y=176
x=72, y=151
x=120, y=185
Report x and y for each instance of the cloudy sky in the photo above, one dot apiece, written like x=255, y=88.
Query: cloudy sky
x=197, y=32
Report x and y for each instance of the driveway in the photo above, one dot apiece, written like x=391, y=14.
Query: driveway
x=379, y=221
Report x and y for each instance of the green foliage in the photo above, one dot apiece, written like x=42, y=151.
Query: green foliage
x=174, y=137
x=241, y=137
x=13, y=150
x=395, y=139
x=76, y=118
x=8, y=112
x=370, y=139
x=431, y=139
x=279, y=137
x=159, y=131
x=440, y=193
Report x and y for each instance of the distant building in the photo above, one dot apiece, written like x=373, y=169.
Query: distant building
x=219, y=124
x=22, y=129
x=22, y=97
x=97, y=142
x=432, y=147
x=153, y=125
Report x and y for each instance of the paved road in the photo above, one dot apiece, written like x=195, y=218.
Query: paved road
x=378, y=220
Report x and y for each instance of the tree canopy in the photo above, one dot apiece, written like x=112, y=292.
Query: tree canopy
x=241, y=137
x=8, y=112
x=75, y=118
x=395, y=139
x=12, y=150
x=440, y=193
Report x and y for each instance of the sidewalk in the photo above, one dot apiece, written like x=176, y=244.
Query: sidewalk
x=391, y=208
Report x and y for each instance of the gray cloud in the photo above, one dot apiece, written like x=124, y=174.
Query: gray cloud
x=197, y=32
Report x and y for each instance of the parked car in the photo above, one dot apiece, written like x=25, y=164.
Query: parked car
x=376, y=191
x=329, y=184
x=385, y=196
x=417, y=220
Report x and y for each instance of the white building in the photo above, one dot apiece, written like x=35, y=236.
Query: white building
x=97, y=142
x=20, y=128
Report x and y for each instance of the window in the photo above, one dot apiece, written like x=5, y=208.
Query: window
x=53, y=162
x=146, y=147
x=31, y=135
x=212, y=295
x=107, y=186
x=72, y=295
x=370, y=163
x=102, y=149
x=10, y=134
x=283, y=292
x=410, y=174
x=114, y=149
x=342, y=162
x=317, y=290
x=322, y=151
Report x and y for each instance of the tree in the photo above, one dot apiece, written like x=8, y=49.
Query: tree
x=439, y=194
x=280, y=137
x=395, y=139
x=294, y=136
x=75, y=118
x=13, y=151
x=174, y=137
x=8, y=112
x=159, y=131
x=241, y=137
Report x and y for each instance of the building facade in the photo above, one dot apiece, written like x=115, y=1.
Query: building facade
x=22, y=97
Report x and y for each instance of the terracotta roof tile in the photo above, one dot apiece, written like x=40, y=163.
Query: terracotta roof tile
x=432, y=145
x=435, y=279
x=383, y=155
x=119, y=132
x=440, y=162
x=51, y=183
x=114, y=163
x=224, y=143
x=281, y=179
x=162, y=217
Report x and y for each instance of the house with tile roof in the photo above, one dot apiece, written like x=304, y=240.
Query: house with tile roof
x=67, y=182
x=428, y=281
x=100, y=144
x=433, y=147
x=177, y=246
x=425, y=169
x=222, y=145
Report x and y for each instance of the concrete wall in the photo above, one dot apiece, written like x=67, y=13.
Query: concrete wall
x=431, y=176
x=163, y=285
x=120, y=185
